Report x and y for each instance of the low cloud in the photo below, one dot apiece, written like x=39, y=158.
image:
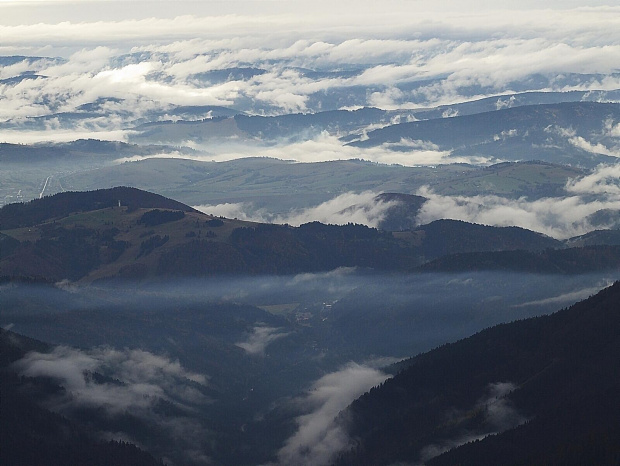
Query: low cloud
x=499, y=415
x=362, y=208
x=558, y=217
x=305, y=278
x=144, y=378
x=597, y=148
x=260, y=338
x=568, y=298
x=134, y=383
x=326, y=147
x=605, y=180
x=610, y=132
x=67, y=285
x=320, y=434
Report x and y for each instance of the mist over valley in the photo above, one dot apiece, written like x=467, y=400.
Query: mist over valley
x=301, y=233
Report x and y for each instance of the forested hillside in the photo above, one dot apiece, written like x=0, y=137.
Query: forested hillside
x=545, y=386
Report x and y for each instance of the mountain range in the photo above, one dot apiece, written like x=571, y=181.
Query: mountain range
x=125, y=232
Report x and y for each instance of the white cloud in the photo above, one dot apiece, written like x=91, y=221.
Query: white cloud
x=325, y=147
x=568, y=298
x=604, y=180
x=320, y=436
x=260, y=338
x=561, y=217
x=362, y=208
x=146, y=378
x=598, y=148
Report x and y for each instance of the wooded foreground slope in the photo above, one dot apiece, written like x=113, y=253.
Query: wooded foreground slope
x=533, y=392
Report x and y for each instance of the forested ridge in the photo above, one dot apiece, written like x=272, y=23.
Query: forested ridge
x=564, y=377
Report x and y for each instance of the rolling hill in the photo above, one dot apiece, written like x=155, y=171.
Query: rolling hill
x=280, y=186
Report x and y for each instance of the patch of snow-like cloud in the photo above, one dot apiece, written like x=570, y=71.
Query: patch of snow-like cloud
x=145, y=377
x=321, y=434
x=260, y=338
x=605, y=180
x=325, y=147
x=339, y=282
x=238, y=210
x=598, y=148
x=610, y=130
x=559, y=217
x=67, y=285
x=360, y=208
x=330, y=275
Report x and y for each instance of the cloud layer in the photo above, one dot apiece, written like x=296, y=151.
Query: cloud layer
x=362, y=208
x=145, y=377
x=394, y=55
x=561, y=217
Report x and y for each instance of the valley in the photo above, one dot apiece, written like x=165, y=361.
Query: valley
x=309, y=233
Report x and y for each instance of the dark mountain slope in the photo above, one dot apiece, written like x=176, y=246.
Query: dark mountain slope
x=573, y=260
x=468, y=129
x=561, y=372
x=494, y=103
x=310, y=123
x=596, y=237
x=443, y=237
x=402, y=215
x=73, y=235
x=283, y=127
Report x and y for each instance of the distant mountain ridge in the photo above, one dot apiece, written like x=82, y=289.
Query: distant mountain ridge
x=549, y=131
x=80, y=151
